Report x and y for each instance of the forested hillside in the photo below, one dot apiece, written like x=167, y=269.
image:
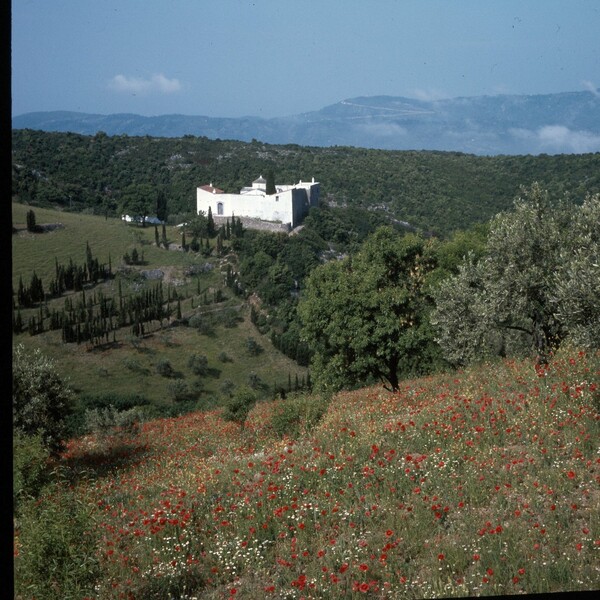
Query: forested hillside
x=432, y=191
x=182, y=415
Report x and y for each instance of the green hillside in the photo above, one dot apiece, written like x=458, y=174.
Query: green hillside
x=128, y=365
x=433, y=191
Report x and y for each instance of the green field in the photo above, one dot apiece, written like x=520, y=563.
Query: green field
x=108, y=238
x=128, y=366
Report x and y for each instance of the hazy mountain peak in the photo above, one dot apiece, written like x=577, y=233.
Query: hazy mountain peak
x=567, y=122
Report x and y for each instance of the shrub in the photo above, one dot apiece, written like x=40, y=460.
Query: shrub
x=109, y=420
x=164, y=368
x=119, y=401
x=253, y=347
x=42, y=400
x=230, y=318
x=30, y=457
x=239, y=405
x=61, y=558
x=203, y=323
x=180, y=391
x=224, y=357
x=227, y=387
x=254, y=381
x=298, y=414
x=198, y=363
x=134, y=366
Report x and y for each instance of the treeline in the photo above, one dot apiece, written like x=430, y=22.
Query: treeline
x=95, y=318
x=438, y=192
x=405, y=305
x=70, y=277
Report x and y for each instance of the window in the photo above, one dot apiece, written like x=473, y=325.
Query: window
x=219, y=208
x=276, y=198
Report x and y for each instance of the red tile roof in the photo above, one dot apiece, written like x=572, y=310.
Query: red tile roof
x=211, y=189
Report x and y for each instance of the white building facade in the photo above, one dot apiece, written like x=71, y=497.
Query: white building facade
x=288, y=205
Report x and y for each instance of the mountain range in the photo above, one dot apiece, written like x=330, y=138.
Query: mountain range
x=561, y=123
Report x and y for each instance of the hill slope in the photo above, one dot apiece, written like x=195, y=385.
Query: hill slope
x=485, y=125
x=476, y=483
x=128, y=366
x=439, y=191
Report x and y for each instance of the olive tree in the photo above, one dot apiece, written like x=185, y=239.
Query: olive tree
x=577, y=278
x=535, y=284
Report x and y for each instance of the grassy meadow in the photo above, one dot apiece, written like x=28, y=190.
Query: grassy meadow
x=129, y=365
x=482, y=482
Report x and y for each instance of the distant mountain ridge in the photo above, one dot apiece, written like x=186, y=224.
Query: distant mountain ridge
x=559, y=123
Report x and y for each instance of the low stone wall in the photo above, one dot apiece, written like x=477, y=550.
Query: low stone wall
x=251, y=223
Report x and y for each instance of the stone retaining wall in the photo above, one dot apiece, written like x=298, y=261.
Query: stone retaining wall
x=251, y=223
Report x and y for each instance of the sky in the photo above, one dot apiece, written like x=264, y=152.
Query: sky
x=270, y=58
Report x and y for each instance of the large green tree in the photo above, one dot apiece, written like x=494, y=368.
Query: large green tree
x=139, y=200
x=366, y=315
x=536, y=284
x=577, y=278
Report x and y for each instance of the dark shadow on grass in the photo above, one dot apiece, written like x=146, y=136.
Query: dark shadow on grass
x=100, y=462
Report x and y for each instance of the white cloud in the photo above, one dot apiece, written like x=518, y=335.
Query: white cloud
x=588, y=85
x=558, y=138
x=429, y=95
x=137, y=85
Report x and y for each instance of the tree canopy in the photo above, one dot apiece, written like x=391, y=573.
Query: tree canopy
x=365, y=316
x=433, y=191
x=536, y=284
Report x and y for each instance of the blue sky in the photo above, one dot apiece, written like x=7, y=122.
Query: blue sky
x=230, y=58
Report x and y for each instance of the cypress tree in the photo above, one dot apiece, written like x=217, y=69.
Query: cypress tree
x=270, y=183
x=31, y=225
x=88, y=258
x=22, y=295
x=18, y=323
x=210, y=225
x=164, y=237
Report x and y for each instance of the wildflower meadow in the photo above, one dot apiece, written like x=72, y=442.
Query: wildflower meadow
x=478, y=482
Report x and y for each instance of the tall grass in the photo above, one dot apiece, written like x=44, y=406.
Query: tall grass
x=481, y=482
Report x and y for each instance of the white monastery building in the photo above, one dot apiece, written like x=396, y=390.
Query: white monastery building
x=288, y=205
